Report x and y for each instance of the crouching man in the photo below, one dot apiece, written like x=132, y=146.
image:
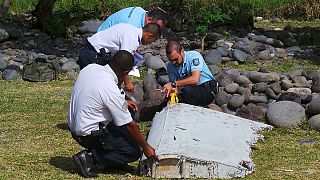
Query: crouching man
x=99, y=119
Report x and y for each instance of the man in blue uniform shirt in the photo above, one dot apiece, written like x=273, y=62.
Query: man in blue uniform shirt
x=187, y=69
x=135, y=16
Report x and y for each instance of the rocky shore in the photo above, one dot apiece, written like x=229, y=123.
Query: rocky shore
x=282, y=99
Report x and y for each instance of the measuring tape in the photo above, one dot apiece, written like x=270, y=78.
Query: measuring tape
x=174, y=98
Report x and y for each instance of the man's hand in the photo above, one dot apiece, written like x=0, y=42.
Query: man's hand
x=167, y=88
x=134, y=131
x=132, y=106
x=129, y=87
x=150, y=153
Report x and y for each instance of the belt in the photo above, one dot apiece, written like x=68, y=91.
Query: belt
x=211, y=86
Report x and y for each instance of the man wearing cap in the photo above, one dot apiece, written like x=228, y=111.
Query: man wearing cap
x=99, y=119
x=104, y=44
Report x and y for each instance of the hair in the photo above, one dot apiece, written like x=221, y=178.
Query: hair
x=157, y=14
x=153, y=28
x=122, y=60
x=173, y=45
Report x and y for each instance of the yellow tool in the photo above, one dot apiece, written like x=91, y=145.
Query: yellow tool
x=174, y=98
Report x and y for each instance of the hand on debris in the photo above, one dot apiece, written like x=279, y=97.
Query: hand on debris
x=167, y=88
x=150, y=153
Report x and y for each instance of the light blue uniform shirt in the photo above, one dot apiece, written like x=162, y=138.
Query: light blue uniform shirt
x=193, y=61
x=131, y=15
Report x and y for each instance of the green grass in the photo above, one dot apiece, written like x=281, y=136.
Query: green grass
x=284, y=23
x=35, y=144
x=281, y=66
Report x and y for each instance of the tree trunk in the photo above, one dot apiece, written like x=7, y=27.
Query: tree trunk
x=4, y=8
x=43, y=13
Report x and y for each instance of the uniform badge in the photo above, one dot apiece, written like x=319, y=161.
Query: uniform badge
x=196, y=61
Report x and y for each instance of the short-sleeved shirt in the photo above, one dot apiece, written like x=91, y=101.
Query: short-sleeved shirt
x=131, y=15
x=193, y=61
x=118, y=37
x=96, y=98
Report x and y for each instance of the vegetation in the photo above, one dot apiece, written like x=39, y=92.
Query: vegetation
x=198, y=13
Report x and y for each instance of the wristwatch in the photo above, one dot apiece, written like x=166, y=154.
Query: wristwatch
x=173, y=84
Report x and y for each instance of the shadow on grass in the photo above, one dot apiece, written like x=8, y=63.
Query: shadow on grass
x=62, y=126
x=65, y=164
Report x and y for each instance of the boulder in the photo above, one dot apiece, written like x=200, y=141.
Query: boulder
x=286, y=114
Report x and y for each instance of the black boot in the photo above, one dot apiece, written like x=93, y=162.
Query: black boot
x=85, y=161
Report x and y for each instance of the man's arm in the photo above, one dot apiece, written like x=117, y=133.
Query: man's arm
x=128, y=84
x=134, y=131
x=191, y=80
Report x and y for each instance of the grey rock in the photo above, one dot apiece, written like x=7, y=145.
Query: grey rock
x=70, y=65
x=244, y=47
x=63, y=60
x=260, y=87
x=259, y=38
x=309, y=74
x=315, y=86
x=10, y=74
x=276, y=88
x=286, y=84
x=214, y=107
x=263, y=77
x=162, y=80
x=271, y=94
x=257, y=99
x=231, y=88
x=214, y=69
x=154, y=62
x=236, y=101
x=213, y=57
x=293, y=49
x=242, y=81
x=89, y=26
x=232, y=73
x=253, y=112
x=300, y=91
x=138, y=93
x=224, y=79
x=225, y=59
x=300, y=81
x=225, y=109
x=222, y=98
x=264, y=55
x=155, y=94
x=71, y=74
x=246, y=92
x=4, y=36
x=285, y=114
x=3, y=64
x=314, y=106
x=289, y=96
x=314, y=122
x=223, y=51
x=149, y=82
x=239, y=56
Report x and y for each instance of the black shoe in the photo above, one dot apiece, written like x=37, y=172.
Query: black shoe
x=85, y=161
